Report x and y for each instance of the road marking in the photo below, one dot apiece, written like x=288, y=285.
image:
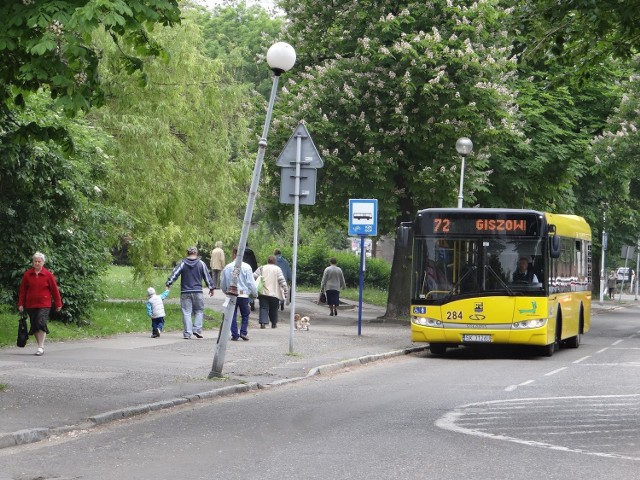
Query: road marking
x=603, y=350
x=553, y=372
x=537, y=420
x=623, y=364
x=582, y=359
x=617, y=342
x=511, y=388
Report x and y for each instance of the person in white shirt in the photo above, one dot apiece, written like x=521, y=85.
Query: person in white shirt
x=246, y=288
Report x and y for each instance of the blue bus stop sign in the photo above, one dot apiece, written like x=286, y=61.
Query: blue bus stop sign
x=363, y=217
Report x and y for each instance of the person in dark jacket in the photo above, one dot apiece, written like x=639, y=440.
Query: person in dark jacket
x=283, y=263
x=523, y=273
x=192, y=271
x=250, y=258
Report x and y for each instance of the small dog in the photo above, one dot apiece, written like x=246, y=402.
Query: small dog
x=302, y=323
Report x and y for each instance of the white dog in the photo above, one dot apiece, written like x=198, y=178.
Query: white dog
x=302, y=323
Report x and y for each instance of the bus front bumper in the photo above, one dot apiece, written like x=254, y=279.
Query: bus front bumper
x=466, y=336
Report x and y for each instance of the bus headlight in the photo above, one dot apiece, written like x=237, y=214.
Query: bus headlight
x=524, y=324
x=427, y=322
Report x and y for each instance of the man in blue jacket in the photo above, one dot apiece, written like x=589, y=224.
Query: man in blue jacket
x=191, y=271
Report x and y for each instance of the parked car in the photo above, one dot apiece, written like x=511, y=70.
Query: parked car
x=624, y=274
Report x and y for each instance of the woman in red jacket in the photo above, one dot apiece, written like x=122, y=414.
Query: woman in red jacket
x=38, y=291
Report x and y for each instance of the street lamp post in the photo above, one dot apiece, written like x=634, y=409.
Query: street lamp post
x=281, y=57
x=464, y=146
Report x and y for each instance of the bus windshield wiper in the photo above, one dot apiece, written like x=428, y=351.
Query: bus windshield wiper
x=456, y=286
x=506, y=287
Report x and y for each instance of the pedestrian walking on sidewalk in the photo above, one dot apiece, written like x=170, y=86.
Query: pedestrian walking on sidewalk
x=250, y=258
x=274, y=291
x=247, y=288
x=283, y=263
x=611, y=284
x=38, y=293
x=217, y=263
x=332, y=283
x=192, y=271
x=155, y=310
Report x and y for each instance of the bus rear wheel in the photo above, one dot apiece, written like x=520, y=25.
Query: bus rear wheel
x=437, y=348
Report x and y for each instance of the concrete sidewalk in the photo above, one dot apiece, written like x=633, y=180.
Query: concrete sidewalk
x=81, y=384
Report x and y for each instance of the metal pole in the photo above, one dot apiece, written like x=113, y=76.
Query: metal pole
x=362, y=257
x=221, y=346
x=461, y=183
x=637, y=267
x=603, y=272
x=296, y=209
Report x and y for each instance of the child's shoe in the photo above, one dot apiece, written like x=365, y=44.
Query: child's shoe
x=156, y=333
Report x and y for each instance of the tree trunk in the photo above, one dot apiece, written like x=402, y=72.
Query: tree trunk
x=399, y=299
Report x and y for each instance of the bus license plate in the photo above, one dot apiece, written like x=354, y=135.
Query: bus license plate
x=476, y=338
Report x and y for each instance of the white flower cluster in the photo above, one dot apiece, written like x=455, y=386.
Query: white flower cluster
x=56, y=28
x=80, y=78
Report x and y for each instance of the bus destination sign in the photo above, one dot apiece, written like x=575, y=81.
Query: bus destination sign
x=443, y=225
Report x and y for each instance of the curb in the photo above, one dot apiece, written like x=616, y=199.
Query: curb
x=33, y=435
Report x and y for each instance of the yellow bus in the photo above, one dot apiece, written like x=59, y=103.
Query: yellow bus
x=499, y=276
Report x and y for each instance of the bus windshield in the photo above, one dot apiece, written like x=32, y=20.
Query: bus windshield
x=447, y=268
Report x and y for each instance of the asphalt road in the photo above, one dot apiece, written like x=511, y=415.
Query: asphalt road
x=480, y=414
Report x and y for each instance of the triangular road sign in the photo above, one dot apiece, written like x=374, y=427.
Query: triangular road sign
x=309, y=156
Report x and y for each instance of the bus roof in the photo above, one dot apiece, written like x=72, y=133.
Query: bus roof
x=570, y=225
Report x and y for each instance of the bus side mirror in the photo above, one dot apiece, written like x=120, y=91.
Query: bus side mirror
x=403, y=235
x=554, y=246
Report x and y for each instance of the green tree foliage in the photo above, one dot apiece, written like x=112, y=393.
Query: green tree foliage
x=612, y=186
x=50, y=201
x=386, y=88
x=560, y=120
x=179, y=147
x=582, y=33
x=47, y=43
x=238, y=36
x=53, y=169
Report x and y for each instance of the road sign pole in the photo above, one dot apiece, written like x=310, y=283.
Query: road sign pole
x=362, y=258
x=296, y=209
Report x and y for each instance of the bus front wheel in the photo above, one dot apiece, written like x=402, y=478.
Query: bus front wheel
x=437, y=348
x=574, y=342
x=548, y=350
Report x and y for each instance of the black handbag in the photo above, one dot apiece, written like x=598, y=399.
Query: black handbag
x=23, y=332
x=322, y=298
